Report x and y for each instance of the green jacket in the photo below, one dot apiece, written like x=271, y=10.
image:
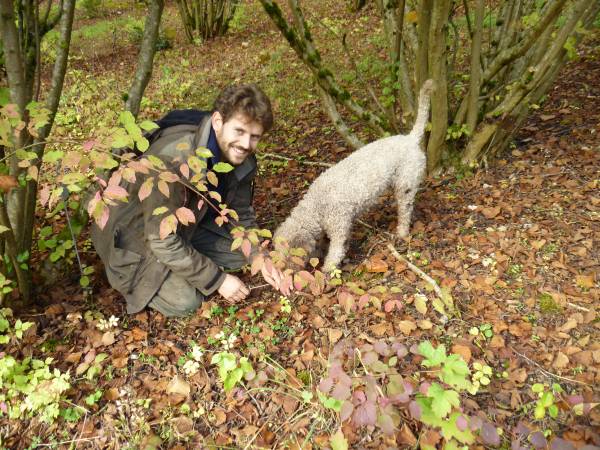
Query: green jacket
x=136, y=260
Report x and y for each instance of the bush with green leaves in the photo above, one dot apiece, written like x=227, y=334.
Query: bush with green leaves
x=29, y=387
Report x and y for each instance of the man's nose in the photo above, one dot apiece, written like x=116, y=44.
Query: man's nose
x=245, y=141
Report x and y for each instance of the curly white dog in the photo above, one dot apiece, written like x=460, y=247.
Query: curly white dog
x=344, y=191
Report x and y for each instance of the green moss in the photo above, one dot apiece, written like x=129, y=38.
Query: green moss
x=548, y=305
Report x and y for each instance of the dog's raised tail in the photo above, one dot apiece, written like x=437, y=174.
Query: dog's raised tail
x=418, y=129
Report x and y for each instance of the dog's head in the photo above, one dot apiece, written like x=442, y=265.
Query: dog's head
x=296, y=236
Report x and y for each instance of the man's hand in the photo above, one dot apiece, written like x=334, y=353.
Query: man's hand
x=275, y=279
x=233, y=289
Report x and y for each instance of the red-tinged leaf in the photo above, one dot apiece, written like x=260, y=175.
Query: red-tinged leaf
x=185, y=170
x=286, y=284
x=382, y=348
x=537, y=439
x=237, y=243
x=389, y=306
x=246, y=248
x=325, y=385
x=44, y=195
x=102, y=218
x=200, y=204
x=212, y=178
x=7, y=183
x=89, y=145
x=115, y=192
x=185, y=215
x=363, y=301
x=386, y=424
x=115, y=178
x=139, y=167
x=163, y=187
x=168, y=176
x=257, y=264
x=346, y=411
x=219, y=221
x=561, y=444
x=129, y=175
x=369, y=357
x=215, y=195
x=462, y=423
x=306, y=276
x=341, y=392
x=346, y=301
x=490, y=436
x=365, y=415
x=400, y=349
x=146, y=189
x=415, y=410
x=167, y=226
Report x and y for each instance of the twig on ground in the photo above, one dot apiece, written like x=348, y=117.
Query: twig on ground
x=416, y=270
x=287, y=158
x=549, y=374
x=580, y=308
x=72, y=441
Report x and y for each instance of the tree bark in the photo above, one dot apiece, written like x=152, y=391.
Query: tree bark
x=146, y=57
x=475, y=79
x=438, y=71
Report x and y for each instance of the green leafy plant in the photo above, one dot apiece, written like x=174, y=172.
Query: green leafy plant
x=546, y=403
x=28, y=387
x=232, y=370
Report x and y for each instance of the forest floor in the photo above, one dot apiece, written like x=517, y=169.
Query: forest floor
x=516, y=244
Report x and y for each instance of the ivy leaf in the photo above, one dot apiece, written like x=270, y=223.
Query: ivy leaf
x=443, y=400
x=338, y=441
x=433, y=357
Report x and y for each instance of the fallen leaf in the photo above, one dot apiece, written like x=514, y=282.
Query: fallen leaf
x=178, y=386
x=425, y=324
x=568, y=325
x=463, y=351
x=497, y=341
x=183, y=424
x=376, y=265
x=334, y=335
x=7, y=183
x=380, y=329
x=584, y=281
x=108, y=338
x=406, y=326
x=491, y=212
x=561, y=361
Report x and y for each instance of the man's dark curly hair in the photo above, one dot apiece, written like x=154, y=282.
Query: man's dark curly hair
x=247, y=99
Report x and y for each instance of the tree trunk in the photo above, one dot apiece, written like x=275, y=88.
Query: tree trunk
x=146, y=57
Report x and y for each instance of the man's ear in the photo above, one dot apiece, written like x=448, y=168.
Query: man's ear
x=217, y=121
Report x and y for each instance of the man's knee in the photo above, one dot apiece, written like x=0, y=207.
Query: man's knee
x=175, y=307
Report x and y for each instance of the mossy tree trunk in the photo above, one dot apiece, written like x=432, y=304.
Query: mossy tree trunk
x=23, y=23
x=490, y=60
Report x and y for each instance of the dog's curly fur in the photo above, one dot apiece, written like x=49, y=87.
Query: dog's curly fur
x=344, y=191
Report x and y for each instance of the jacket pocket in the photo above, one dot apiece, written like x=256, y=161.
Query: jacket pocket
x=123, y=267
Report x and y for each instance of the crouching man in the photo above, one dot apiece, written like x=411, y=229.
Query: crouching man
x=173, y=275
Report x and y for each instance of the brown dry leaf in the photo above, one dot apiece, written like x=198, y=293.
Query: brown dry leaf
x=7, y=183
x=183, y=424
x=561, y=361
x=406, y=326
x=568, y=325
x=120, y=362
x=425, y=324
x=380, y=329
x=178, y=386
x=376, y=265
x=54, y=310
x=108, y=338
x=112, y=394
x=497, y=341
x=490, y=212
x=463, y=351
x=406, y=436
x=138, y=334
x=334, y=335
x=73, y=357
x=518, y=376
x=585, y=281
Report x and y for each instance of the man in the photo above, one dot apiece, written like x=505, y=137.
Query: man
x=173, y=275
